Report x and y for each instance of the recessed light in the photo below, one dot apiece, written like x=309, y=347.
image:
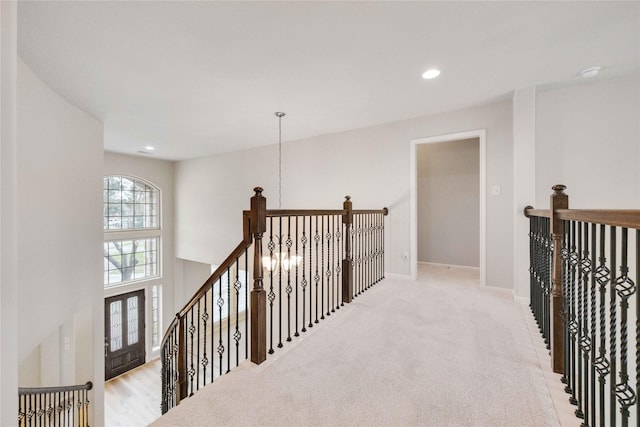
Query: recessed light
x=590, y=72
x=149, y=148
x=430, y=74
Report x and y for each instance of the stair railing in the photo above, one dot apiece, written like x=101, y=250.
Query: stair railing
x=306, y=265
x=65, y=406
x=585, y=270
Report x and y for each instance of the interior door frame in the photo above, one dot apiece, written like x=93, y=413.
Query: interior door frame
x=481, y=134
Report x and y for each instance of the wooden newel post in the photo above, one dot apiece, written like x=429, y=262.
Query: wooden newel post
x=257, y=227
x=559, y=200
x=347, y=262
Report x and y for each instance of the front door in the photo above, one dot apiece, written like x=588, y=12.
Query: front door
x=124, y=333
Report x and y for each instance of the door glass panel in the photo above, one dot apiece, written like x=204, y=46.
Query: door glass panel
x=132, y=308
x=116, y=325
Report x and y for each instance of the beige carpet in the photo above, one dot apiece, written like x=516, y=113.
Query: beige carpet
x=436, y=352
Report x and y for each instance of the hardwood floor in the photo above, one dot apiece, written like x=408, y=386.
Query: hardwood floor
x=133, y=398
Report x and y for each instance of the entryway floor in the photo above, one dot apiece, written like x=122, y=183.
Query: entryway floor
x=133, y=398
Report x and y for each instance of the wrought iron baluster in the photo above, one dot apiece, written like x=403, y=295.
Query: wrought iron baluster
x=372, y=280
x=381, y=244
x=367, y=253
x=289, y=289
x=220, y=348
x=592, y=357
x=573, y=327
x=303, y=284
x=237, y=335
x=612, y=331
x=578, y=324
x=328, y=236
x=357, y=219
x=191, y=370
x=548, y=243
x=198, y=349
x=310, y=325
x=279, y=267
x=365, y=258
x=213, y=330
x=297, y=334
x=534, y=266
x=316, y=278
x=637, y=326
x=271, y=296
x=531, y=285
x=228, y=343
x=332, y=265
x=602, y=364
x=625, y=288
x=338, y=265
x=322, y=275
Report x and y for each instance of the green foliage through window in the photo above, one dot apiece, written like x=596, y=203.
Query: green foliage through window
x=129, y=204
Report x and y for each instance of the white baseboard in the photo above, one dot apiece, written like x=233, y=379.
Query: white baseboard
x=460, y=267
x=397, y=276
x=522, y=300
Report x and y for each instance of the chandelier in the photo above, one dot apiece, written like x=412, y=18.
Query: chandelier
x=280, y=260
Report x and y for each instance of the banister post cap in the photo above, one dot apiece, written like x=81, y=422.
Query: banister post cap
x=347, y=197
x=385, y=211
x=559, y=188
x=258, y=190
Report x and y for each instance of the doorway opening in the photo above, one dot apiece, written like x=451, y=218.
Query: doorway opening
x=447, y=253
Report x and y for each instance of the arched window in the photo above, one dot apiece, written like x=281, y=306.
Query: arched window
x=129, y=204
x=132, y=230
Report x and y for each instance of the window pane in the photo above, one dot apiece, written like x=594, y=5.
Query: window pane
x=132, y=311
x=155, y=324
x=128, y=204
x=127, y=260
x=116, y=325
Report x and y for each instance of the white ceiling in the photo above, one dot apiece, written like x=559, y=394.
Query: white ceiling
x=199, y=78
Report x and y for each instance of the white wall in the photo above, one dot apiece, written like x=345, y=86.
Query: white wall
x=448, y=193
x=588, y=138
x=524, y=180
x=370, y=164
x=159, y=173
x=59, y=230
x=8, y=215
x=190, y=276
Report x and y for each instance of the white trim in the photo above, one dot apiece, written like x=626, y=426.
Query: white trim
x=413, y=195
x=522, y=300
x=459, y=267
x=396, y=276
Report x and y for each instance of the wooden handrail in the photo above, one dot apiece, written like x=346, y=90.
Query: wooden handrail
x=628, y=218
x=22, y=391
x=529, y=211
x=321, y=212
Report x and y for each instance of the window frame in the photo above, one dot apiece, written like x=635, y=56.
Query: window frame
x=120, y=234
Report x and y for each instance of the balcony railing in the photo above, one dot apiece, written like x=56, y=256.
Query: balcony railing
x=305, y=266
x=66, y=406
x=585, y=270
